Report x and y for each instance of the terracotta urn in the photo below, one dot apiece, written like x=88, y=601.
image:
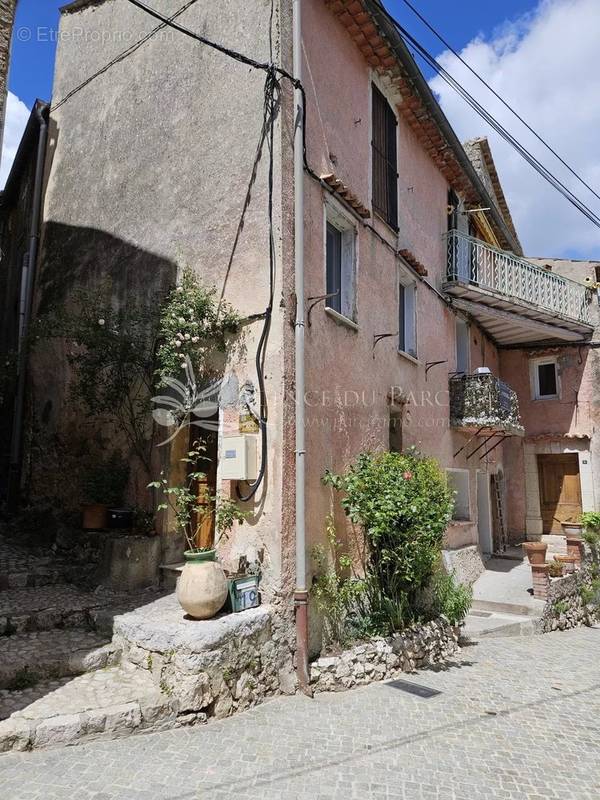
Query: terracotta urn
x=94, y=517
x=536, y=552
x=572, y=529
x=202, y=586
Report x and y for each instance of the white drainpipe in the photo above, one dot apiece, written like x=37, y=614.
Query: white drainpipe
x=301, y=593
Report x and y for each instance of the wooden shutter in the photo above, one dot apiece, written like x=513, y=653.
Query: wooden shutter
x=334, y=267
x=385, y=160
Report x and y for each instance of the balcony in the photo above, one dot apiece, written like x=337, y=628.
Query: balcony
x=484, y=404
x=514, y=301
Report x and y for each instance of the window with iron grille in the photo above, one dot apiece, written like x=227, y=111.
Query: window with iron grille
x=385, y=164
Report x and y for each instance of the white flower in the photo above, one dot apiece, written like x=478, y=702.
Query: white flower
x=100, y=322
x=177, y=343
x=180, y=289
x=181, y=320
x=187, y=336
x=180, y=336
x=195, y=339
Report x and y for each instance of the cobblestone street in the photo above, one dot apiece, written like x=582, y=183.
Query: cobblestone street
x=514, y=718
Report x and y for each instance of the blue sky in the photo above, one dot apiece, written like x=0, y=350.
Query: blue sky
x=536, y=54
x=33, y=59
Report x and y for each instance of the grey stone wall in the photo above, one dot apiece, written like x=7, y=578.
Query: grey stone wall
x=212, y=668
x=7, y=18
x=565, y=607
x=381, y=659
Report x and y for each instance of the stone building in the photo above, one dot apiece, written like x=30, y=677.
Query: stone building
x=423, y=315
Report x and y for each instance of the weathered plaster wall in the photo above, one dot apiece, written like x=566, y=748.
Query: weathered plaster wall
x=149, y=170
x=349, y=382
x=7, y=18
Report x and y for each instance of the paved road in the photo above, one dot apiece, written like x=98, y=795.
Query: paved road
x=515, y=718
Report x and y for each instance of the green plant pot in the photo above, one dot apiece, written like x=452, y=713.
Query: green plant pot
x=193, y=557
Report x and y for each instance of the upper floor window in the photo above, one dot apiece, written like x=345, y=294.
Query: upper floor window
x=407, y=317
x=463, y=346
x=340, y=258
x=544, y=378
x=385, y=162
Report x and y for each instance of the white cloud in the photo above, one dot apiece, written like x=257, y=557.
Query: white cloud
x=546, y=66
x=17, y=115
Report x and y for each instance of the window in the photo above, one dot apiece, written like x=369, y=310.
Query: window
x=462, y=346
x=340, y=263
x=458, y=481
x=545, y=379
x=407, y=318
x=385, y=166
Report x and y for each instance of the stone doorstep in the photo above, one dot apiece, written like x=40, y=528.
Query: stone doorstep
x=83, y=710
x=54, y=654
x=497, y=625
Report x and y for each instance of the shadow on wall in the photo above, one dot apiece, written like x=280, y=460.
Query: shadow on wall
x=74, y=258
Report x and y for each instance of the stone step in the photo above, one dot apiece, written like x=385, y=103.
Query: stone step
x=532, y=608
x=488, y=624
x=108, y=703
x=27, y=658
x=47, y=607
x=20, y=568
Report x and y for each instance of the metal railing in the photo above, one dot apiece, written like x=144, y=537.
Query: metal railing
x=474, y=262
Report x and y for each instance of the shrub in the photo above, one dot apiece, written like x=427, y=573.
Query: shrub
x=450, y=598
x=335, y=589
x=402, y=504
x=195, y=325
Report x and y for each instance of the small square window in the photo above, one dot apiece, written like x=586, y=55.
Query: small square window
x=545, y=379
x=340, y=264
x=407, y=318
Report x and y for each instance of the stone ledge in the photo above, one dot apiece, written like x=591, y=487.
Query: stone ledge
x=384, y=658
x=212, y=667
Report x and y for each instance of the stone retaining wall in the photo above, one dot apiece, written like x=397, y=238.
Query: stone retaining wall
x=383, y=658
x=210, y=668
x=564, y=607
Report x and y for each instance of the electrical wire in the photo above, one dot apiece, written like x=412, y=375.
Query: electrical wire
x=499, y=97
x=494, y=124
x=122, y=56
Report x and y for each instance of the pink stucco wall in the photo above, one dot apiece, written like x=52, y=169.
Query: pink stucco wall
x=348, y=383
x=571, y=415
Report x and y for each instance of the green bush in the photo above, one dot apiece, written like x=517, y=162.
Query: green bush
x=450, y=598
x=402, y=504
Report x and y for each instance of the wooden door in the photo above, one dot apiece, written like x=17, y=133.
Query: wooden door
x=206, y=487
x=560, y=490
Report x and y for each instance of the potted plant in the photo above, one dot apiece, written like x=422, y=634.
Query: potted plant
x=202, y=586
x=555, y=569
x=572, y=528
x=535, y=552
x=103, y=486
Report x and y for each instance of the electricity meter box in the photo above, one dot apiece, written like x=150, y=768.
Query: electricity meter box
x=238, y=458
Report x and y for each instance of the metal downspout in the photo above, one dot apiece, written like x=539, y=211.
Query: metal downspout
x=28, y=277
x=301, y=592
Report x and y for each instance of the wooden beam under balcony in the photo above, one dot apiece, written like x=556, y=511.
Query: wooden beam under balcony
x=506, y=327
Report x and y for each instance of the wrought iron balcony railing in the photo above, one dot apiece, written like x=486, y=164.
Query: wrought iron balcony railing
x=477, y=264
x=484, y=401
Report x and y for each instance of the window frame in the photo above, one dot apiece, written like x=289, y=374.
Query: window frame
x=389, y=214
x=465, y=473
x=335, y=217
x=406, y=282
x=462, y=324
x=535, y=364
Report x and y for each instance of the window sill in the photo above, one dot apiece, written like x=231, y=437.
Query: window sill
x=341, y=319
x=544, y=399
x=408, y=357
x=462, y=522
